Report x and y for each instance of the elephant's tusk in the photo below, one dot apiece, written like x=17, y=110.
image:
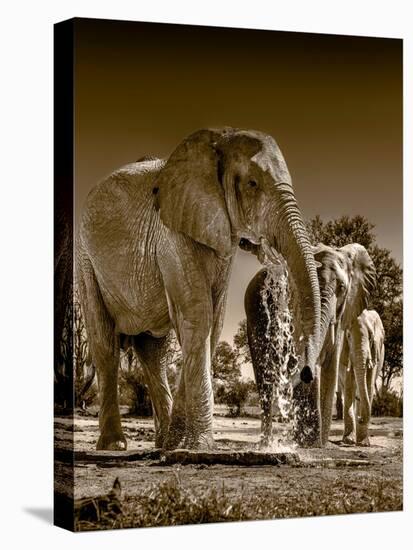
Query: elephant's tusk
x=269, y=256
x=333, y=333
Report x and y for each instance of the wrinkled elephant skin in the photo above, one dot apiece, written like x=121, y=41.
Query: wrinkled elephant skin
x=155, y=248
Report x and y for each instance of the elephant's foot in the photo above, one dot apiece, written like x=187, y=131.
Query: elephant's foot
x=266, y=440
x=312, y=443
x=111, y=442
x=365, y=442
x=348, y=440
x=175, y=435
x=362, y=434
x=199, y=442
x=308, y=436
x=160, y=438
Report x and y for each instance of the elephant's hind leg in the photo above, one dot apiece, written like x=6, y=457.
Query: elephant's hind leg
x=348, y=408
x=363, y=415
x=104, y=346
x=152, y=355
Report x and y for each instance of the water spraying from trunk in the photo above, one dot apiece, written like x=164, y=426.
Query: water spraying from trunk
x=280, y=362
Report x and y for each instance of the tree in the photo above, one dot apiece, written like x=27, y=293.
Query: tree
x=342, y=231
x=389, y=281
x=392, y=318
x=132, y=384
x=76, y=367
x=229, y=388
x=84, y=371
x=224, y=363
x=237, y=395
x=174, y=361
x=225, y=370
x=387, y=297
x=63, y=368
x=241, y=346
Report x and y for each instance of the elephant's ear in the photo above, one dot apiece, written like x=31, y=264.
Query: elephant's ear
x=362, y=281
x=190, y=195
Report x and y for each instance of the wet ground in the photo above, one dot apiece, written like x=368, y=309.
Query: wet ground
x=337, y=479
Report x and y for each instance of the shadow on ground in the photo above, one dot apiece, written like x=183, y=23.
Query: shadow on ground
x=44, y=514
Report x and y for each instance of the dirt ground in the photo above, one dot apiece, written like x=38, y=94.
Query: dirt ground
x=337, y=479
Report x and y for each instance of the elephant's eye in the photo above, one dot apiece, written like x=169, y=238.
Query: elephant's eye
x=252, y=183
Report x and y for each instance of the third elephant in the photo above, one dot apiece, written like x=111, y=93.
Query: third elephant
x=360, y=363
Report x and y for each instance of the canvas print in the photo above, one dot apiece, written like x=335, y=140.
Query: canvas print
x=228, y=280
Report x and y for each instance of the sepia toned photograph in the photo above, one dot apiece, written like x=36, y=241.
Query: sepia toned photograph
x=228, y=284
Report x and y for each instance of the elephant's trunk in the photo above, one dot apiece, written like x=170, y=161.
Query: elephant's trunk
x=328, y=324
x=292, y=241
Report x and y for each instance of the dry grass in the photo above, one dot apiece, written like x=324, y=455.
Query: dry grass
x=173, y=503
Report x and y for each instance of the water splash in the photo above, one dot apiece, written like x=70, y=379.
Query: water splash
x=280, y=360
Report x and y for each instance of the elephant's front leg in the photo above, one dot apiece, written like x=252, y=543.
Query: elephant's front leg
x=348, y=409
x=198, y=387
x=190, y=304
x=191, y=422
x=177, y=426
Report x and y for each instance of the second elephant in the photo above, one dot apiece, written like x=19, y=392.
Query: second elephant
x=346, y=277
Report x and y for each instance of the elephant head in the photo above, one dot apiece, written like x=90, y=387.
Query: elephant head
x=347, y=277
x=221, y=187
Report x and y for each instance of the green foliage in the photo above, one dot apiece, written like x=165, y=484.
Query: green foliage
x=389, y=287
x=225, y=371
x=241, y=346
x=63, y=369
x=236, y=396
x=174, y=361
x=228, y=386
x=387, y=403
x=392, y=318
x=224, y=364
x=84, y=369
x=132, y=387
x=175, y=503
x=387, y=297
x=342, y=231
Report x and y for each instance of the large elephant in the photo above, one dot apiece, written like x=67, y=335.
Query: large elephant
x=346, y=277
x=155, y=249
x=361, y=361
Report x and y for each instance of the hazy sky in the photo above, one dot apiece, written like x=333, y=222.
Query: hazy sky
x=334, y=105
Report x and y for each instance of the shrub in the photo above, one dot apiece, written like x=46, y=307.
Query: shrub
x=236, y=396
x=387, y=403
x=174, y=503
